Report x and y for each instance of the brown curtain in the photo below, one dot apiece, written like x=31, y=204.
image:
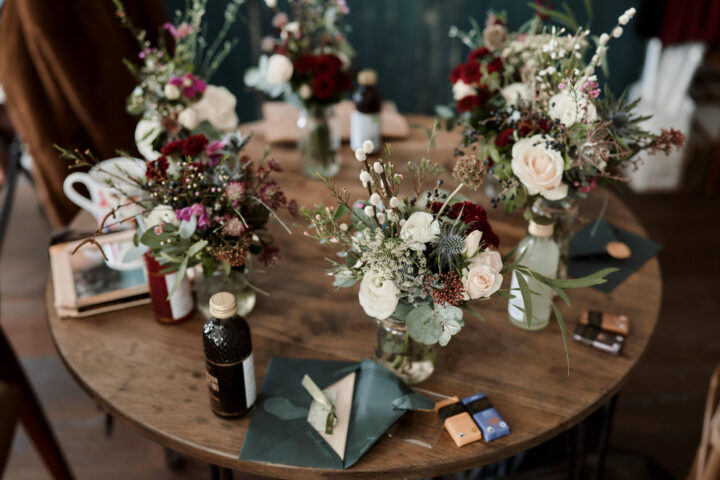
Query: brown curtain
x=62, y=71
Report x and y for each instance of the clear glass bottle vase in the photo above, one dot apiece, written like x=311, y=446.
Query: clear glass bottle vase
x=319, y=141
x=412, y=361
x=564, y=214
x=238, y=283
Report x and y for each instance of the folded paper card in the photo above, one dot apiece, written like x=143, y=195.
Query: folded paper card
x=280, y=433
x=279, y=121
x=589, y=253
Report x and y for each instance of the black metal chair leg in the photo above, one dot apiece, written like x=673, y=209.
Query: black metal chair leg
x=220, y=473
x=608, y=415
x=576, y=451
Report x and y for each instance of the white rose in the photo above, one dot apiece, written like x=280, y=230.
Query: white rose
x=378, y=297
x=172, y=92
x=462, y=90
x=271, y=3
x=480, y=281
x=489, y=258
x=188, y=118
x=571, y=108
x=472, y=243
x=217, y=106
x=419, y=229
x=305, y=91
x=516, y=93
x=146, y=132
x=161, y=214
x=280, y=69
x=539, y=168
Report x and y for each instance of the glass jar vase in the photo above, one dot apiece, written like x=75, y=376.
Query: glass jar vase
x=564, y=214
x=319, y=141
x=237, y=282
x=412, y=361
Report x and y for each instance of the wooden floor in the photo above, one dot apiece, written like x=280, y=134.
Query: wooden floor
x=659, y=410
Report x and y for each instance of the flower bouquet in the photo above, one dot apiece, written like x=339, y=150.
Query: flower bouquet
x=531, y=107
x=420, y=259
x=203, y=204
x=309, y=64
x=172, y=95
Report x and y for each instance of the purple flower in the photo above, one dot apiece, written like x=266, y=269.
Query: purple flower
x=196, y=210
x=190, y=84
x=213, y=152
x=179, y=32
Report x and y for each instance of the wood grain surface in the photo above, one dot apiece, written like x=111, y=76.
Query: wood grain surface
x=151, y=375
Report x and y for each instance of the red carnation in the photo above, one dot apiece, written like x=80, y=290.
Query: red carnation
x=477, y=54
x=470, y=73
x=194, y=145
x=157, y=169
x=172, y=147
x=495, y=66
x=323, y=86
x=466, y=104
x=304, y=64
x=504, y=137
x=327, y=64
x=455, y=73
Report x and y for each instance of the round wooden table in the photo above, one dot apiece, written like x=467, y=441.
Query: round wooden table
x=152, y=375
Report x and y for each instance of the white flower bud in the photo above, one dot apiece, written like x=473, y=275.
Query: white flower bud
x=394, y=202
x=365, y=178
x=381, y=218
x=375, y=199
x=343, y=227
x=172, y=92
x=368, y=146
x=305, y=91
x=369, y=211
x=617, y=32
x=360, y=155
x=377, y=166
x=271, y=3
x=604, y=39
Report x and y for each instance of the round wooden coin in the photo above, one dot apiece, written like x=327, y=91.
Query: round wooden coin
x=618, y=250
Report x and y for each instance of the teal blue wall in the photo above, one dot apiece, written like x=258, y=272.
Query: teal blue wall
x=407, y=42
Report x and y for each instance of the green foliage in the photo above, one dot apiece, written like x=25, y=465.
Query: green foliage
x=436, y=324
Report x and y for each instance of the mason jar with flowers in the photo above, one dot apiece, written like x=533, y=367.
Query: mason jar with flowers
x=310, y=65
x=421, y=259
x=204, y=204
x=540, y=124
x=172, y=95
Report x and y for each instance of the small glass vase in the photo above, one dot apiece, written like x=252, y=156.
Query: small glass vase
x=564, y=214
x=412, y=361
x=319, y=141
x=237, y=282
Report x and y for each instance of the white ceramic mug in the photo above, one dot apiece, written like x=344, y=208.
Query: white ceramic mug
x=103, y=198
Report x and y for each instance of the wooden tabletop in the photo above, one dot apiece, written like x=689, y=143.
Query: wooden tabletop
x=151, y=375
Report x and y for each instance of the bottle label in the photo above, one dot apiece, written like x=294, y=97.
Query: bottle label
x=364, y=126
x=231, y=385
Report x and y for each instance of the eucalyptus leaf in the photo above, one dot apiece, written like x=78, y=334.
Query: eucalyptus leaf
x=561, y=322
x=179, y=277
x=421, y=325
x=526, y=297
x=135, y=252
x=196, y=247
x=187, y=227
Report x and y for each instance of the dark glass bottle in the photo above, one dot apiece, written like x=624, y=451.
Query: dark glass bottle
x=229, y=362
x=365, y=119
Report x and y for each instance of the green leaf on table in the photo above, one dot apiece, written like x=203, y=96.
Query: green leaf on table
x=561, y=322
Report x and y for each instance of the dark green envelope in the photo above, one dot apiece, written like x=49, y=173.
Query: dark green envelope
x=379, y=400
x=588, y=253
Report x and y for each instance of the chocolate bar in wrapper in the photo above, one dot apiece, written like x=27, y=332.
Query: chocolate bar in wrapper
x=486, y=417
x=457, y=421
x=606, y=321
x=598, y=338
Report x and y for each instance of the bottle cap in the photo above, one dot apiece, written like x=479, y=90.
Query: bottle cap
x=223, y=305
x=541, y=230
x=367, y=76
